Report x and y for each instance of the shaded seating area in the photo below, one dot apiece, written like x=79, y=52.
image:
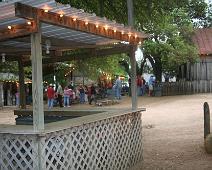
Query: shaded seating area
x=40, y=32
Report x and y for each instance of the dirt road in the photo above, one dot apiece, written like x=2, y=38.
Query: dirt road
x=172, y=131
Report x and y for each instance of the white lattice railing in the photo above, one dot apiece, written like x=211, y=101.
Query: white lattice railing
x=111, y=144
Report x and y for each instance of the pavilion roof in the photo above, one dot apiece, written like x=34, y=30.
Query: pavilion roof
x=203, y=40
x=64, y=26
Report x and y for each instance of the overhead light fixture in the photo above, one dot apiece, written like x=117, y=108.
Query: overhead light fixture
x=74, y=19
x=86, y=22
x=46, y=10
x=61, y=15
x=3, y=57
x=9, y=27
x=48, y=45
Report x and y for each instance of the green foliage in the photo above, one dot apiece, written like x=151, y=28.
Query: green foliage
x=170, y=43
x=93, y=67
x=169, y=24
x=11, y=67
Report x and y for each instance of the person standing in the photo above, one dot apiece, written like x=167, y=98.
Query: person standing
x=143, y=88
x=139, y=85
x=50, y=95
x=82, y=93
x=151, y=85
x=60, y=94
x=67, y=93
x=117, y=87
x=92, y=94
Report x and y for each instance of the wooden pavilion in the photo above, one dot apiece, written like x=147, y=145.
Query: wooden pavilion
x=36, y=32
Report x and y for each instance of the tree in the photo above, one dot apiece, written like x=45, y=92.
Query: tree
x=168, y=45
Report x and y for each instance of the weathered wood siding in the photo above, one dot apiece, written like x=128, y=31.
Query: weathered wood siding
x=186, y=87
x=201, y=70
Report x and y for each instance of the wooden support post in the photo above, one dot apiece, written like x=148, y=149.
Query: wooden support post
x=206, y=120
x=37, y=82
x=130, y=13
x=132, y=58
x=1, y=95
x=22, y=91
x=133, y=78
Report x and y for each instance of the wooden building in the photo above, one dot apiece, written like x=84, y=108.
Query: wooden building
x=200, y=73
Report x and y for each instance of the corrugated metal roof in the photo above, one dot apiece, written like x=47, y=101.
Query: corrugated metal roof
x=203, y=39
x=7, y=17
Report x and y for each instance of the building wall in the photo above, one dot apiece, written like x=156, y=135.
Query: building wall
x=201, y=70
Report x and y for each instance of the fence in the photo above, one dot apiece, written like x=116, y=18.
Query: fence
x=108, y=144
x=186, y=87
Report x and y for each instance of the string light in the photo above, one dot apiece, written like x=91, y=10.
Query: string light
x=122, y=32
x=97, y=25
x=46, y=8
x=9, y=27
x=29, y=23
x=106, y=27
x=114, y=30
x=74, y=19
x=135, y=35
x=61, y=15
x=86, y=22
x=129, y=34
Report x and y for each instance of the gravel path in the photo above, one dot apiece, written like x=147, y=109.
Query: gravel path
x=172, y=131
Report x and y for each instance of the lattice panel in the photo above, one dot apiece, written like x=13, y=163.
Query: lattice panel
x=110, y=144
x=17, y=152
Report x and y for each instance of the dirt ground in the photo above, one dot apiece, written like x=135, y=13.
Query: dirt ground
x=172, y=131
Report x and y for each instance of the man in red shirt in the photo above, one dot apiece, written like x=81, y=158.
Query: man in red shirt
x=50, y=95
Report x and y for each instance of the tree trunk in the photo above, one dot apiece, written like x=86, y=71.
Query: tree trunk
x=158, y=70
x=157, y=67
x=141, y=69
x=101, y=8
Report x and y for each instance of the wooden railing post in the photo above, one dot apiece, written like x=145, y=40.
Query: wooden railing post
x=206, y=119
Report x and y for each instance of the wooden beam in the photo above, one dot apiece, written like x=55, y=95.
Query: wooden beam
x=37, y=82
x=29, y=12
x=22, y=92
x=133, y=77
x=88, y=53
x=20, y=30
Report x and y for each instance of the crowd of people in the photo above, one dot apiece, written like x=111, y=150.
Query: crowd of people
x=144, y=87
x=65, y=97
x=88, y=93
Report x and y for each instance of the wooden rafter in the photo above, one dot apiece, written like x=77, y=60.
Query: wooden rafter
x=88, y=53
x=20, y=30
x=28, y=12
